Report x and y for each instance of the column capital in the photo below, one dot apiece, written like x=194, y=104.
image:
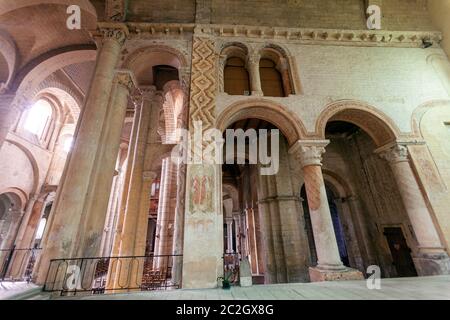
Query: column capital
x=253, y=59
x=394, y=153
x=229, y=220
x=126, y=79
x=309, y=152
x=112, y=31
x=147, y=92
x=149, y=175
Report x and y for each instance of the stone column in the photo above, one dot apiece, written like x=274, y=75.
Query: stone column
x=431, y=258
x=237, y=231
x=283, y=68
x=26, y=235
x=221, y=80
x=329, y=265
x=264, y=212
x=255, y=77
x=229, y=223
x=77, y=202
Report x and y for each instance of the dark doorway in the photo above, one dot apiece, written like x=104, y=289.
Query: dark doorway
x=401, y=253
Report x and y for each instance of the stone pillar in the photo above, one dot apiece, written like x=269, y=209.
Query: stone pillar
x=229, y=223
x=203, y=264
x=135, y=218
x=431, y=258
x=329, y=265
x=237, y=231
x=270, y=275
x=26, y=235
x=221, y=80
x=9, y=113
x=255, y=77
x=283, y=68
x=85, y=189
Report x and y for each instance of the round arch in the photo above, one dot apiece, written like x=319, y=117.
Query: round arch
x=33, y=163
x=143, y=59
x=376, y=124
x=288, y=123
x=337, y=184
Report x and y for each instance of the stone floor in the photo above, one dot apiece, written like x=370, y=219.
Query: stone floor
x=426, y=288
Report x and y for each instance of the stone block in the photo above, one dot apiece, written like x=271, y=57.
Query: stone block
x=320, y=275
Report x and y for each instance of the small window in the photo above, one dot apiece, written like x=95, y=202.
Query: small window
x=236, y=80
x=38, y=118
x=271, y=80
x=41, y=228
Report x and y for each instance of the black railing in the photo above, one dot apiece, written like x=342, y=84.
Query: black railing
x=17, y=264
x=231, y=263
x=110, y=274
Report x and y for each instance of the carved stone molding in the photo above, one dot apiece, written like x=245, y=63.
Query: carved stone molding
x=303, y=35
x=309, y=153
x=116, y=10
x=111, y=31
x=394, y=154
x=147, y=92
x=126, y=79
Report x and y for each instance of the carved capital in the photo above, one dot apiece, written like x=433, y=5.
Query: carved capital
x=147, y=92
x=112, y=31
x=126, y=79
x=394, y=154
x=309, y=153
x=253, y=60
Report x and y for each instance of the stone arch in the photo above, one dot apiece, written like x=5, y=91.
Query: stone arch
x=143, y=59
x=234, y=49
x=421, y=110
x=339, y=186
x=33, y=162
x=26, y=84
x=376, y=124
x=173, y=107
x=8, y=60
x=288, y=123
x=19, y=193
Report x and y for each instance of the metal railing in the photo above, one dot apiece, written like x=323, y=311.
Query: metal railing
x=110, y=274
x=17, y=264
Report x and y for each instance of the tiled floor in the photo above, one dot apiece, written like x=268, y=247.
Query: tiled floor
x=429, y=288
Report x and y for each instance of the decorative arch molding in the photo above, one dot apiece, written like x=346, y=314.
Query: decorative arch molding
x=421, y=110
x=234, y=49
x=376, y=124
x=33, y=163
x=19, y=193
x=8, y=6
x=142, y=59
x=288, y=123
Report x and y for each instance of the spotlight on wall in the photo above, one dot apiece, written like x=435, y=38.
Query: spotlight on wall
x=426, y=43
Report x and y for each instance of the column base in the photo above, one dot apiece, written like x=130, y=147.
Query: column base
x=432, y=264
x=320, y=275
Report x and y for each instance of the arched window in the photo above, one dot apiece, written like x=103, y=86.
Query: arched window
x=236, y=80
x=271, y=79
x=67, y=144
x=38, y=118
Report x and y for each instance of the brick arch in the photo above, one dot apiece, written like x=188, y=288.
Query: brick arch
x=288, y=123
x=376, y=124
